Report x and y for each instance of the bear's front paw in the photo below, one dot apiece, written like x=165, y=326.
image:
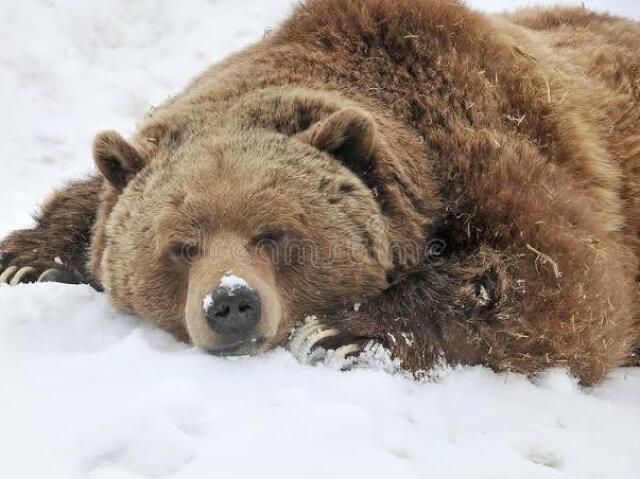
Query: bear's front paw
x=323, y=340
x=27, y=257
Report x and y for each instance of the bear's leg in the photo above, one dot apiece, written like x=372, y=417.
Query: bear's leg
x=519, y=312
x=56, y=248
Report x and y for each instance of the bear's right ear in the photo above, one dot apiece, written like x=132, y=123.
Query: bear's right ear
x=116, y=159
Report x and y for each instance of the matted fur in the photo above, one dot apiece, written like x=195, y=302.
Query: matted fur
x=512, y=140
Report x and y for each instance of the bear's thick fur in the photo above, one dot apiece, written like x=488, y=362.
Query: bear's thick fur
x=472, y=180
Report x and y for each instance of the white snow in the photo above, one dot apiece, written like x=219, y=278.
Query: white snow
x=89, y=392
x=231, y=282
x=207, y=302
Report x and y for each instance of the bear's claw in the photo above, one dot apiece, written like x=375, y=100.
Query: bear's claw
x=307, y=341
x=306, y=337
x=7, y=274
x=24, y=275
x=14, y=275
x=55, y=275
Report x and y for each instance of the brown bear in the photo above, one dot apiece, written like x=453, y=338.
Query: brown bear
x=452, y=185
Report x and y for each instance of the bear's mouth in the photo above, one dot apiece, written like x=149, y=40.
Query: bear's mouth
x=239, y=347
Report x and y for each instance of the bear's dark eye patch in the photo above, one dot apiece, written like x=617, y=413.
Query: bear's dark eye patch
x=268, y=239
x=185, y=251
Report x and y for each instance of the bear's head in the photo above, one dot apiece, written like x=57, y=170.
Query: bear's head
x=232, y=236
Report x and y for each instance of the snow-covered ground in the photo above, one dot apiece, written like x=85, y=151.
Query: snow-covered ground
x=89, y=392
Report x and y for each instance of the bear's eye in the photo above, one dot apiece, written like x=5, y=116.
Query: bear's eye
x=185, y=251
x=269, y=239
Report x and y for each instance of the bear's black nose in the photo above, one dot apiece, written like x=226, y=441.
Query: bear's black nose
x=232, y=311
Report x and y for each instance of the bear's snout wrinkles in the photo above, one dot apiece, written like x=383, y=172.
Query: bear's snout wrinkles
x=233, y=311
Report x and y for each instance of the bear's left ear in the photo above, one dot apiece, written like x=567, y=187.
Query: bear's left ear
x=117, y=160
x=349, y=134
